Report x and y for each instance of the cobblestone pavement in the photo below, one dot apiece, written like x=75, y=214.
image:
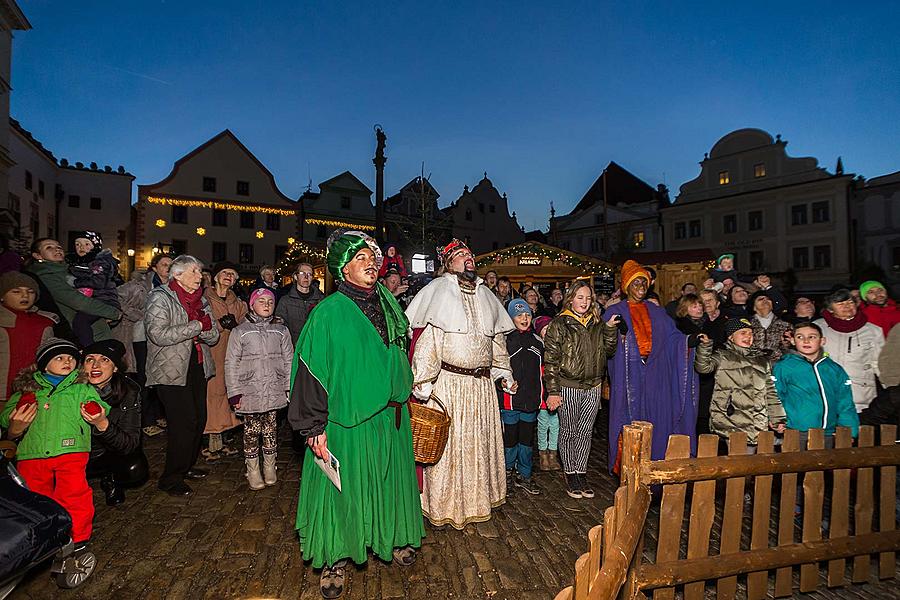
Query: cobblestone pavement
x=227, y=541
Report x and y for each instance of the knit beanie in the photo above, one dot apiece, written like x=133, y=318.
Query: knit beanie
x=631, y=270
x=723, y=257
x=518, y=307
x=54, y=347
x=259, y=293
x=734, y=325
x=114, y=350
x=541, y=322
x=92, y=236
x=16, y=279
x=868, y=285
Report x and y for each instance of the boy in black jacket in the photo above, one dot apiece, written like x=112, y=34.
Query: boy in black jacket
x=519, y=410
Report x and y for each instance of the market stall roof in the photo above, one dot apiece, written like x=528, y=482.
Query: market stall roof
x=537, y=261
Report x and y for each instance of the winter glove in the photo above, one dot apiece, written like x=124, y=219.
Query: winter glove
x=205, y=323
x=623, y=327
x=228, y=322
x=235, y=400
x=693, y=340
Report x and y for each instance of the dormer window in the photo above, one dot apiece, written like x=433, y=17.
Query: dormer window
x=724, y=178
x=759, y=170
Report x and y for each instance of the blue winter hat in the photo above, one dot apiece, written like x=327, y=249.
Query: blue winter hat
x=518, y=307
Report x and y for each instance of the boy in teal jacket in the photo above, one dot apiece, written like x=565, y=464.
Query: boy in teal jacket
x=814, y=390
x=50, y=416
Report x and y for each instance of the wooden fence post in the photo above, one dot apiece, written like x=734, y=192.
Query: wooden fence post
x=887, y=519
x=864, y=506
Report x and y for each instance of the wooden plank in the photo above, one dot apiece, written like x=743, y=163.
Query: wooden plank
x=840, y=509
x=732, y=516
x=645, y=456
x=863, y=507
x=813, y=496
x=784, y=575
x=703, y=510
x=595, y=545
x=887, y=519
x=683, y=470
x=671, y=513
x=614, y=571
x=609, y=523
x=757, y=583
x=681, y=572
x=582, y=577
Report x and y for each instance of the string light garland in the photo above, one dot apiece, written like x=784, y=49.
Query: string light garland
x=336, y=224
x=254, y=208
x=298, y=252
x=586, y=265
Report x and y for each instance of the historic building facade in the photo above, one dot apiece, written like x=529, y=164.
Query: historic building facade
x=626, y=221
x=876, y=220
x=54, y=198
x=218, y=203
x=11, y=19
x=777, y=214
x=414, y=221
x=342, y=201
x=481, y=218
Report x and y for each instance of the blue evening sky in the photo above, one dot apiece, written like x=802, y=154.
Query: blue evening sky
x=541, y=95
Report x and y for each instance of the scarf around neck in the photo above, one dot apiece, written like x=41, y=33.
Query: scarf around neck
x=192, y=302
x=843, y=326
x=381, y=309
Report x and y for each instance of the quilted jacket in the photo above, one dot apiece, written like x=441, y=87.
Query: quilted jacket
x=170, y=339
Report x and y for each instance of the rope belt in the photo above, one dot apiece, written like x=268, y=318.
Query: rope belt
x=477, y=372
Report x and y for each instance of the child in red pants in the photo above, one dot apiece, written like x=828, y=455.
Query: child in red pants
x=47, y=416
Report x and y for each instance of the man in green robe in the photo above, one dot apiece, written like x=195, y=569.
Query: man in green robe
x=351, y=379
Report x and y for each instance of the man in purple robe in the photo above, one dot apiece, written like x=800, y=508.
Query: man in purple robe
x=651, y=374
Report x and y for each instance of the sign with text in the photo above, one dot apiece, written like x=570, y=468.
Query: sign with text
x=531, y=261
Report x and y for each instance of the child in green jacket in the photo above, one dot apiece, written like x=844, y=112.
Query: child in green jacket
x=814, y=390
x=50, y=416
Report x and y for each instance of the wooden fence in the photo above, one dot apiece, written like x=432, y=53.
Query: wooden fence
x=614, y=565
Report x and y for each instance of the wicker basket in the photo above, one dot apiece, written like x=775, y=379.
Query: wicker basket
x=430, y=430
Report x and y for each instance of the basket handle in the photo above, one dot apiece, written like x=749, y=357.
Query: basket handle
x=438, y=400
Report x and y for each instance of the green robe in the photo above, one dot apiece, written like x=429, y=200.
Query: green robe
x=343, y=377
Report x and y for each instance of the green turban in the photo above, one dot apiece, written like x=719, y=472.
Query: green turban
x=342, y=247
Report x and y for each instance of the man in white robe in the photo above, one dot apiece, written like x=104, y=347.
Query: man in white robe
x=458, y=356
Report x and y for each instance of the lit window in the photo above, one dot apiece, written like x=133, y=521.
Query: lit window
x=637, y=239
x=724, y=179
x=759, y=170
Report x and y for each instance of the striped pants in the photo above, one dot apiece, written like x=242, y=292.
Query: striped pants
x=577, y=414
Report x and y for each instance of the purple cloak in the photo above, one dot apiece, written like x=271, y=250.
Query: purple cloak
x=663, y=391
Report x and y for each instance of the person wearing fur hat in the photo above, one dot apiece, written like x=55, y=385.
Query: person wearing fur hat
x=46, y=416
x=770, y=334
x=116, y=454
x=878, y=308
x=228, y=311
x=22, y=326
x=651, y=373
x=744, y=396
x=460, y=328
x=350, y=383
x=96, y=273
x=257, y=370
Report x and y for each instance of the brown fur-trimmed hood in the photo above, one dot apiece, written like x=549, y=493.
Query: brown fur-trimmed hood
x=25, y=381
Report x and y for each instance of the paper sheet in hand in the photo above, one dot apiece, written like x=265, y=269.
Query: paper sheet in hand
x=331, y=468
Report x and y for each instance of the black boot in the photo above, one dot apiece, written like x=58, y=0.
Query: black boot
x=115, y=495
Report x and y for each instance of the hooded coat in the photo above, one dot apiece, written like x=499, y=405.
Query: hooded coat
x=258, y=364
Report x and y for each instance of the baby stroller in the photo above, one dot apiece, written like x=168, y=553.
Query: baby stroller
x=34, y=528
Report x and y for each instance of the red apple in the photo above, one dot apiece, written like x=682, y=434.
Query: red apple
x=92, y=408
x=26, y=399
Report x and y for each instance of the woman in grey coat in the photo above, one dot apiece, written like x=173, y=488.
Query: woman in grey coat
x=257, y=381
x=179, y=331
